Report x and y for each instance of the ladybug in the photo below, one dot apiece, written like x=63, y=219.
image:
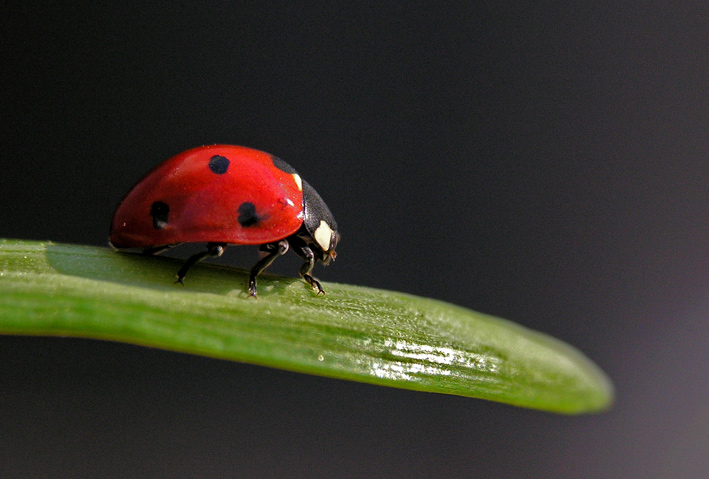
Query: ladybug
x=225, y=194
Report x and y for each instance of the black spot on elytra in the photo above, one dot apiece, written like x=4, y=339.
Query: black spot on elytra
x=247, y=215
x=282, y=165
x=219, y=164
x=159, y=212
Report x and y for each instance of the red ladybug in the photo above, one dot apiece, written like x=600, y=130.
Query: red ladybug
x=224, y=194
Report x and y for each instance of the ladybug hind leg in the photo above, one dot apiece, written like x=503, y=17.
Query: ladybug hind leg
x=155, y=250
x=214, y=250
x=273, y=250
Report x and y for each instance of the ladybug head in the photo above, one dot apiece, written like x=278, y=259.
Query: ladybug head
x=330, y=254
x=320, y=225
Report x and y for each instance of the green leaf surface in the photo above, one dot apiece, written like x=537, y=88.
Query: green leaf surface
x=362, y=334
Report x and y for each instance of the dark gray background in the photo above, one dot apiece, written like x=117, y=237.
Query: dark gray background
x=544, y=162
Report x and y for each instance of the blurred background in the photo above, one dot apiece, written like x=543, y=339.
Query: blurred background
x=544, y=162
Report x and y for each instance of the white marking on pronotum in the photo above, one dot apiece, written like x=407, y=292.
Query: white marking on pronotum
x=323, y=235
x=298, y=181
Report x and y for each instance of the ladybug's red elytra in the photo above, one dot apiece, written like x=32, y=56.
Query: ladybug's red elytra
x=225, y=194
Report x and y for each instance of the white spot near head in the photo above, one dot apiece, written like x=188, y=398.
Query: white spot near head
x=323, y=235
x=298, y=181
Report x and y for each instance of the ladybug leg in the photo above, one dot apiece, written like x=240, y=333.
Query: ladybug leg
x=307, y=254
x=213, y=250
x=274, y=250
x=153, y=250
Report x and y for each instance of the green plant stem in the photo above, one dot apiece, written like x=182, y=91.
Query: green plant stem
x=356, y=333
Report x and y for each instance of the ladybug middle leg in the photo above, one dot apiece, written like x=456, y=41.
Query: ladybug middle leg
x=273, y=250
x=213, y=250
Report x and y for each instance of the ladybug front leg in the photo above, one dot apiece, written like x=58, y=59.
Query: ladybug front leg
x=307, y=254
x=274, y=250
x=213, y=250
